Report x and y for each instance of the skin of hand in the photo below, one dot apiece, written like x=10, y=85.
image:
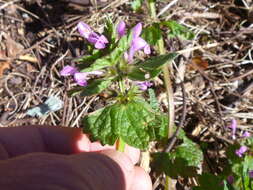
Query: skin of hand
x=62, y=158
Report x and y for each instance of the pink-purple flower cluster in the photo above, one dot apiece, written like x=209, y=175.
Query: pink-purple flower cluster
x=239, y=152
x=99, y=41
x=137, y=42
x=144, y=85
x=79, y=77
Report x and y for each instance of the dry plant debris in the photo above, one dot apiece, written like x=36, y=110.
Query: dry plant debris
x=39, y=37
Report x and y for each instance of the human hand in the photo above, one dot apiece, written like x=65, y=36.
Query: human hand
x=49, y=158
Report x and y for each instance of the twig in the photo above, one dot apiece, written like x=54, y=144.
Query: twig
x=167, y=7
x=182, y=120
x=8, y=4
x=199, y=47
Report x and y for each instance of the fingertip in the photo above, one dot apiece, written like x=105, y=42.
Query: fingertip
x=83, y=143
x=141, y=180
x=133, y=153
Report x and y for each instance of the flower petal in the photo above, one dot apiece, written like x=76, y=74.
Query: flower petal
x=81, y=78
x=84, y=29
x=93, y=37
x=103, y=39
x=137, y=30
x=246, y=134
x=251, y=173
x=131, y=54
x=100, y=44
x=233, y=126
x=68, y=70
x=138, y=43
x=121, y=28
x=144, y=85
x=239, y=152
x=147, y=49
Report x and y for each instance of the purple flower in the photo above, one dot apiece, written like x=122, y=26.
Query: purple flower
x=239, y=152
x=251, y=173
x=79, y=77
x=230, y=179
x=137, y=43
x=246, y=134
x=233, y=126
x=144, y=85
x=68, y=70
x=99, y=41
x=84, y=29
x=137, y=30
x=121, y=28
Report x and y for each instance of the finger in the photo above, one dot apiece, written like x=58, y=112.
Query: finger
x=141, y=180
x=26, y=139
x=131, y=152
x=125, y=163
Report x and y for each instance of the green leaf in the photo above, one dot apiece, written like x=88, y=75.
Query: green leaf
x=178, y=30
x=98, y=64
x=132, y=121
x=136, y=5
x=150, y=68
x=122, y=46
x=163, y=162
x=96, y=86
x=188, y=150
x=110, y=31
x=209, y=181
x=112, y=58
x=152, y=34
x=75, y=91
x=142, y=75
x=157, y=62
x=153, y=100
x=159, y=126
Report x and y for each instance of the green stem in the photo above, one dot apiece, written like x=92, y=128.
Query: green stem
x=168, y=86
x=152, y=8
x=121, y=145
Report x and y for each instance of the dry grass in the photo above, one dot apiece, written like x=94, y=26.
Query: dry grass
x=46, y=32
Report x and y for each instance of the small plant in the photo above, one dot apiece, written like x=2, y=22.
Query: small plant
x=113, y=66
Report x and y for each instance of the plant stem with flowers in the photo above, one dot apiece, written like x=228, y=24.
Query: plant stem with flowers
x=128, y=118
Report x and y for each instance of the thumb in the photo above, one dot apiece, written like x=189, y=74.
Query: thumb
x=135, y=177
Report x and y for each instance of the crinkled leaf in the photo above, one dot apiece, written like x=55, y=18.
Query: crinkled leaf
x=188, y=150
x=163, y=162
x=101, y=124
x=130, y=121
x=159, y=126
x=96, y=86
x=152, y=34
x=209, y=181
x=178, y=30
